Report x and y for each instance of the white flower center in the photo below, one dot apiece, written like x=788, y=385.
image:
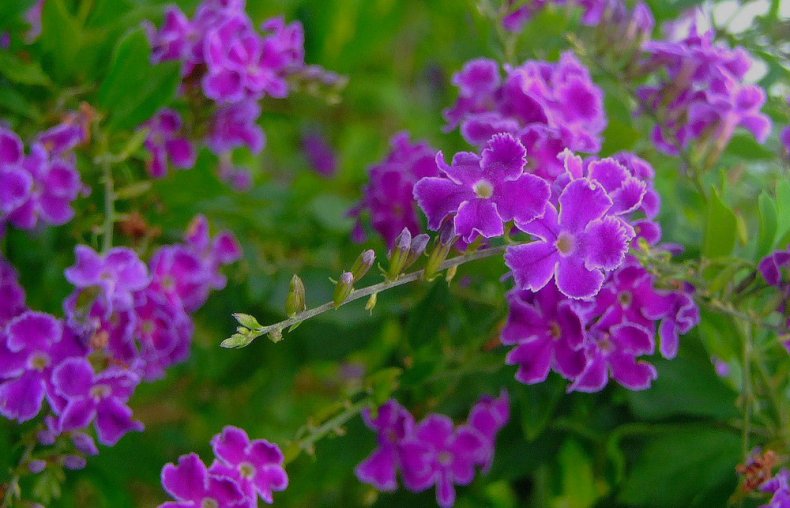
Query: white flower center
x=483, y=188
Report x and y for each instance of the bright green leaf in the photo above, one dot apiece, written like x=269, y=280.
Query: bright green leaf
x=720, y=228
x=768, y=224
x=134, y=89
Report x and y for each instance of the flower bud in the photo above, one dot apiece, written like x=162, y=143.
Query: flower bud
x=295, y=301
x=343, y=288
x=440, y=250
x=399, y=254
x=418, y=246
x=247, y=321
x=363, y=264
x=371, y=302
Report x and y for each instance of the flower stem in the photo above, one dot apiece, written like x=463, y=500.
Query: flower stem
x=333, y=424
x=109, y=205
x=377, y=288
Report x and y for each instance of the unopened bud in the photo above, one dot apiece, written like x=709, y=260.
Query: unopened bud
x=399, y=254
x=363, y=264
x=418, y=246
x=247, y=321
x=450, y=275
x=440, y=250
x=343, y=288
x=295, y=301
x=371, y=302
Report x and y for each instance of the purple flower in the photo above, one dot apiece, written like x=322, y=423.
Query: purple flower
x=65, y=136
x=193, y=486
x=12, y=295
x=548, y=332
x=258, y=464
x=483, y=192
x=235, y=125
x=702, y=95
x=117, y=274
x=560, y=97
x=26, y=358
x=773, y=268
x=613, y=348
x=164, y=332
x=488, y=417
x=393, y=424
x=172, y=42
x=438, y=454
x=389, y=194
x=575, y=247
x=319, y=153
x=101, y=397
x=164, y=143
x=54, y=184
x=779, y=488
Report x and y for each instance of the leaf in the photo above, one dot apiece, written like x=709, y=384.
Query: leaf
x=538, y=403
x=11, y=11
x=134, y=89
x=331, y=212
x=61, y=38
x=686, y=385
x=579, y=489
x=768, y=224
x=720, y=228
x=783, y=209
x=686, y=467
x=21, y=72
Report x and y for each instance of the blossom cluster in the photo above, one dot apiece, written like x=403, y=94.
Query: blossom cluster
x=701, y=94
x=432, y=451
x=243, y=470
x=388, y=195
x=228, y=66
x=775, y=269
x=623, y=24
x=122, y=326
x=40, y=186
x=548, y=106
x=600, y=313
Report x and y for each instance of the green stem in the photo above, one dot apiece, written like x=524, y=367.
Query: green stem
x=377, y=288
x=306, y=443
x=109, y=205
x=13, y=492
x=747, y=386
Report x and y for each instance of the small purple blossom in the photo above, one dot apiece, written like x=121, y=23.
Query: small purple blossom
x=26, y=359
x=392, y=423
x=117, y=274
x=95, y=397
x=257, y=465
x=389, y=195
x=165, y=144
x=235, y=125
x=193, y=486
x=483, y=192
x=575, y=246
x=319, y=153
x=12, y=295
x=548, y=332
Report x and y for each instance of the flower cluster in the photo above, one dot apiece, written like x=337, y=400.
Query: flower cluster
x=389, y=194
x=227, y=66
x=775, y=270
x=143, y=321
x=122, y=326
x=40, y=186
x=779, y=488
x=622, y=24
x=702, y=94
x=433, y=451
x=242, y=471
x=548, y=106
x=602, y=309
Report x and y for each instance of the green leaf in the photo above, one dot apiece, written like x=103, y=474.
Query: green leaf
x=579, y=488
x=61, y=39
x=11, y=11
x=690, y=467
x=768, y=224
x=720, y=228
x=538, y=403
x=686, y=385
x=783, y=208
x=21, y=72
x=134, y=89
